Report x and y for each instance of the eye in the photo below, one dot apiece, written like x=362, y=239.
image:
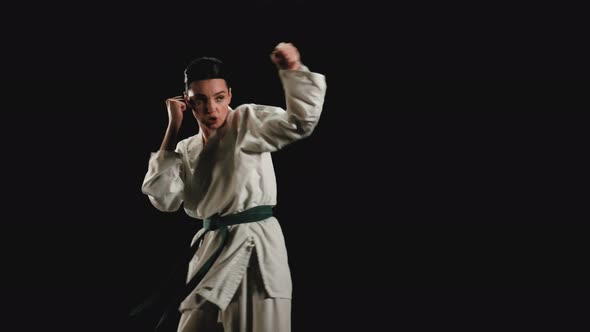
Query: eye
x=220, y=98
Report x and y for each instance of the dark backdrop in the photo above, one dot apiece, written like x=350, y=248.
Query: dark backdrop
x=444, y=186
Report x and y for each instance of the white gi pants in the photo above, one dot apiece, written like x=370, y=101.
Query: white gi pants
x=250, y=310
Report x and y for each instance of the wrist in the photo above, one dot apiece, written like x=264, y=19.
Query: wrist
x=294, y=66
x=173, y=127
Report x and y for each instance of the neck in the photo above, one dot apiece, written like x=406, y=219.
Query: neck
x=206, y=132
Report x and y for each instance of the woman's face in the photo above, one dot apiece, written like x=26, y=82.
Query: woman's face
x=209, y=100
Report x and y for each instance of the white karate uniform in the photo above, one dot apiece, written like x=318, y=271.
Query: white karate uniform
x=232, y=173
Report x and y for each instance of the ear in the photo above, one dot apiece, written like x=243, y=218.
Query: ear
x=229, y=95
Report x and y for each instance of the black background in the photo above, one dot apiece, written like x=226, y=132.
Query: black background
x=444, y=187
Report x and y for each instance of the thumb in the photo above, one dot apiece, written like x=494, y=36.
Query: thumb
x=277, y=57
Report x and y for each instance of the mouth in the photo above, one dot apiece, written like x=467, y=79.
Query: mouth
x=211, y=120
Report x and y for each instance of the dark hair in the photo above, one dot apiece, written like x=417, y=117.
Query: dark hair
x=204, y=68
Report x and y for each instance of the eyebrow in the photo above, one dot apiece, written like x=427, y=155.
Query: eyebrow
x=200, y=95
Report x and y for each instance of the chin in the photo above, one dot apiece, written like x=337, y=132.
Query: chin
x=213, y=126
x=217, y=124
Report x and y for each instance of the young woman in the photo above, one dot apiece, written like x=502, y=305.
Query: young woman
x=238, y=279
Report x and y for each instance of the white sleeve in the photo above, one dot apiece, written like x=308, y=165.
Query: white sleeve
x=270, y=128
x=163, y=183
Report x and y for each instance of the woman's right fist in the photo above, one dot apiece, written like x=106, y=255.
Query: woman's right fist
x=176, y=107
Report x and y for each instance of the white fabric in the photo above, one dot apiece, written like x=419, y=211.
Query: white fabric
x=250, y=310
x=234, y=172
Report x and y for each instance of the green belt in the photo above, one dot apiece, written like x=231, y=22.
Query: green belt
x=175, y=290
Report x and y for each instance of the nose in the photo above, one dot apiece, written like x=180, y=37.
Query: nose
x=206, y=108
x=209, y=108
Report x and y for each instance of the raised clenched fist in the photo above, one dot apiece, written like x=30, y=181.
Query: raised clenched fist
x=176, y=107
x=286, y=56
